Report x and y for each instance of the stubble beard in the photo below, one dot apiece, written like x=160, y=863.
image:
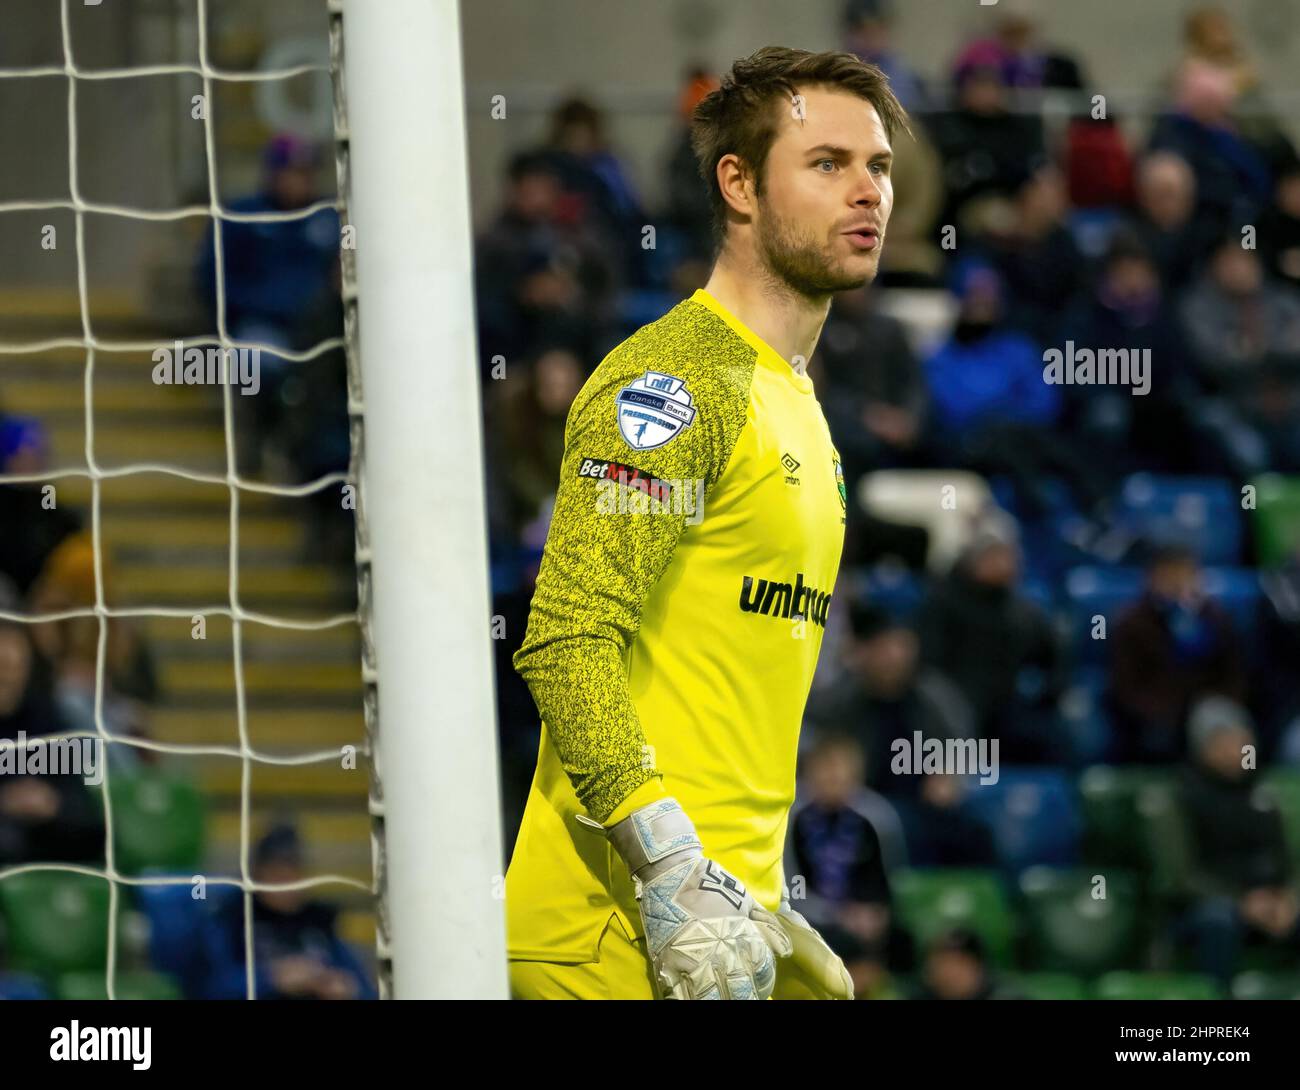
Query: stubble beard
x=799, y=261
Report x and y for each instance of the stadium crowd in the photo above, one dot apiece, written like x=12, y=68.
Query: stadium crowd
x=281, y=290
x=1114, y=599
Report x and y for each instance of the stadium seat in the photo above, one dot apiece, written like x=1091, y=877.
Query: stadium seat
x=1284, y=783
x=1121, y=985
x=1260, y=985
x=129, y=985
x=55, y=922
x=1109, y=797
x=1276, y=518
x=638, y=308
x=894, y=589
x=158, y=822
x=932, y=901
x=1093, y=228
x=1033, y=814
x=1202, y=513
x=912, y=496
x=1237, y=591
x=1165, y=840
x=1090, y=591
x=21, y=986
x=1072, y=931
x=1048, y=986
x=1085, y=718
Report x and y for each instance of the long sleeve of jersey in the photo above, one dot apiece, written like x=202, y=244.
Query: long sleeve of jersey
x=666, y=426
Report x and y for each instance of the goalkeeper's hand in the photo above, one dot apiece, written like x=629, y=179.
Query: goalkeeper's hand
x=707, y=938
x=813, y=970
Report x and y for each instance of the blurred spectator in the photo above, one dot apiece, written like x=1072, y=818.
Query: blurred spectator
x=1165, y=222
x=274, y=270
x=1128, y=309
x=836, y=851
x=526, y=430
x=1025, y=63
x=688, y=208
x=273, y=273
x=67, y=583
x=296, y=949
x=1096, y=158
x=992, y=410
x=1279, y=230
x=1277, y=696
x=1210, y=37
x=868, y=29
x=597, y=190
x=1169, y=648
x=1233, y=177
x=984, y=146
x=317, y=432
x=1041, y=267
x=886, y=693
x=940, y=830
x=911, y=256
x=1240, y=871
x=1244, y=332
x=33, y=528
x=539, y=279
x=43, y=817
x=998, y=647
x=956, y=967
x=876, y=395
x=986, y=374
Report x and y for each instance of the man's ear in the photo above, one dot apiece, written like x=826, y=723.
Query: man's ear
x=736, y=184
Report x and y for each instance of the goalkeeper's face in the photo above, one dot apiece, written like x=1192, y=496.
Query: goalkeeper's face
x=825, y=193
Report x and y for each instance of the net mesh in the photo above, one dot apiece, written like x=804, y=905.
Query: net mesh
x=78, y=79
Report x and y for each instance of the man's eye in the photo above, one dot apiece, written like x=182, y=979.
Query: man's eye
x=820, y=162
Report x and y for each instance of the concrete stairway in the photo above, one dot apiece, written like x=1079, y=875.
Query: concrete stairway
x=168, y=544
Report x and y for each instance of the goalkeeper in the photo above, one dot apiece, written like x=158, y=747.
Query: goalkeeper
x=691, y=558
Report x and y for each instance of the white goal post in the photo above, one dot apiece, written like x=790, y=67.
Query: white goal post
x=421, y=516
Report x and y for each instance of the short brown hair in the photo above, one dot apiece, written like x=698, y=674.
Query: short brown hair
x=738, y=117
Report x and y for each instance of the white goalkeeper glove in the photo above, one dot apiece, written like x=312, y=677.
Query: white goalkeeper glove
x=813, y=970
x=707, y=938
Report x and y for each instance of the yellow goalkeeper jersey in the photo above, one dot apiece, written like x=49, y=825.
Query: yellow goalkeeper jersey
x=679, y=611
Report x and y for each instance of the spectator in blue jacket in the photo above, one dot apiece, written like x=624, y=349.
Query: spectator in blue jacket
x=992, y=409
x=297, y=953
x=275, y=274
x=986, y=374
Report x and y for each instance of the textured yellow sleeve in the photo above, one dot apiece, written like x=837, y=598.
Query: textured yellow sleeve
x=655, y=416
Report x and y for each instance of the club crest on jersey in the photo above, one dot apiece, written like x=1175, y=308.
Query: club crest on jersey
x=839, y=484
x=653, y=410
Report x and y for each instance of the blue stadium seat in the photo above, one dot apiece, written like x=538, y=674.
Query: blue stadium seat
x=896, y=590
x=1086, y=720
x=21, y=986
x=1096, y=590
x=638, y=308
x=1034, y=816
x=1237, y=590
x=1202, y=513
x=1093, y=228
